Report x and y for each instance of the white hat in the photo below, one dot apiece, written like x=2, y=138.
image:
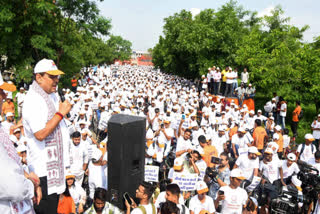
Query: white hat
x=201, y=187
x=271, y=118
x=291, y=156
x=278, y=128
x=237, y=173
x=268, y=151
x=240, y=129
x=273, y=99
x=275, y=136
x=251, y=111
x=21, y=148
x=254, y=150
x=309, y=137
x=250, y=84
x=296, y=181
x=96, y=154
x=69, y=174
x=9, y=114
x=48, y=66
x=16, y=130
x=259, y=111
x=178, y=162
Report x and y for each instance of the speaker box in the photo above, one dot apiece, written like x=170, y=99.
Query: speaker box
x=126, y=155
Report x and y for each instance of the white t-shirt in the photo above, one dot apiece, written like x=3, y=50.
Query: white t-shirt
x=234, y=201
x=139, y=211
x=316, y=133
x=162, y=198
x=308, y=153
x=247, y=166
x=183, y=144
x=78, y=157
x=271, y=169
x=244, y=77
x=196, y=205
x=288, y=171
x=229, y=75
x=242, y=142
x=283, y=107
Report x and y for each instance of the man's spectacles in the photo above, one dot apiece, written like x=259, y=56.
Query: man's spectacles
x=53, y=77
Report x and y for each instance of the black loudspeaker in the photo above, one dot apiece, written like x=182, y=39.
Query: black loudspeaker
x=126, y=155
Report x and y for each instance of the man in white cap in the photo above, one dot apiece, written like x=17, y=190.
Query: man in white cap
x=305, y=151
x=233, y=197
x=8, y=123
x=240, y=143
x=46, y=133
x=289, y=166
x=20, y=98
x=201, y=201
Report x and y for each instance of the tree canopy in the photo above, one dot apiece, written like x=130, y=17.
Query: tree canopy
x=272, y=49
x=71, y=32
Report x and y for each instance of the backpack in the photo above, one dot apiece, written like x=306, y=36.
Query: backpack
x=303, y=146
x=300, y=116
x=143, y=209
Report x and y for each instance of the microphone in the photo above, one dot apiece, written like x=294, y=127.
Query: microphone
x=62, y=100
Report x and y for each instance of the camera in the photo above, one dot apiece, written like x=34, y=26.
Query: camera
x=215, y=160
x=212, y=174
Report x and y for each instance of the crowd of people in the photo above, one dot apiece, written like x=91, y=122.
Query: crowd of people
x=55, y=153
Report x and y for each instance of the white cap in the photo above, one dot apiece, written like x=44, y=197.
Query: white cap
x=275, y=136
x=16, y=130
x=278, y=128
x=309, y=137
x=291, y=156
x=178, y=162
x=9, y=114
x=254, y=150
x=268, y=151
x=251, y=111
x=237, y=173
x=240, y=129
x=96, y=154
x=259, y=111
x=48, y=66
x=273, y=99
x=201, y=187
x=271, y=118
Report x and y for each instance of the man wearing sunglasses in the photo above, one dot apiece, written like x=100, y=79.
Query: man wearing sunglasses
x=47, y=133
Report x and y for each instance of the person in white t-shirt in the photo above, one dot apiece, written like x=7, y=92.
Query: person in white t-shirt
x=283, y=113
x=315, y=127
x=271, y=168
x=233, y=197
x=249, y=164
x=143, y=193
x=245, y=77
x=20, y=98
x=306, y=150
x=184, y=144
x=290, y=166
x=78, y=158
x=201, y=201
x=241, y=142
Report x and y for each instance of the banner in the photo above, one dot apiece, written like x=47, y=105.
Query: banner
x=151, y=173
x=186, y=181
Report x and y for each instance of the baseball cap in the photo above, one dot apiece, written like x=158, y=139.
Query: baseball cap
x=268, y=151
x=309, y=137
x=178, y=162
x=9, y=114
x=259, y=111
x=237, y=173
x=278, y=128
x=16, y=130
x=96, y=154
x=273, y=99
x=201, y=187
x=241, y=130
x=47, y=66
x=271, y=118
x=251, y=111
x=6, y=86
x=254, y=150
x=291, y=156
x=69, y=175
x=204, y=212
x=275, y=136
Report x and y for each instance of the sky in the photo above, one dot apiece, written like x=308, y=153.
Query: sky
x=141, y=21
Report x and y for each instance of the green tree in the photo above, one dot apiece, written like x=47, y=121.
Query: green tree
x=120, y=48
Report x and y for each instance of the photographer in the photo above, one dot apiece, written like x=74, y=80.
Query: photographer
x=221, y=177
